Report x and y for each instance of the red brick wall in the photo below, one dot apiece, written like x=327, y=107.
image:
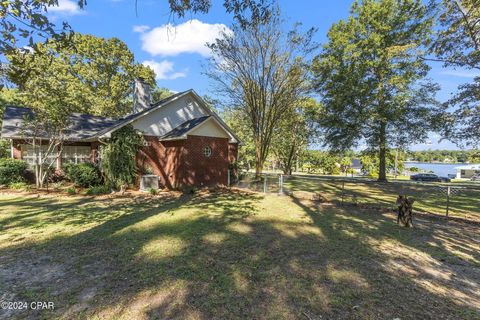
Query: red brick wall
x=182, y=162
x=164, y=158
x=203, y=170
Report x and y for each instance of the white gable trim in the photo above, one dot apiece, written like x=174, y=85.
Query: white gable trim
x=219, y=121
x=185, y=135
x=109, y=131
x=211, y=118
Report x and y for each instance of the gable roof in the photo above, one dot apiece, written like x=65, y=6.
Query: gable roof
x=134, y=116
x=184, y=128
x=85, y=127
x=131, y=118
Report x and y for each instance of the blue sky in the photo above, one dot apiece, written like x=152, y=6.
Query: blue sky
x=174, y=47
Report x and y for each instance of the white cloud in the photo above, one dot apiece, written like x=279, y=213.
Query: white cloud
x=164, y=70
x=66, y=7
x=141, y=28
x=461, y=73
x=188, y=37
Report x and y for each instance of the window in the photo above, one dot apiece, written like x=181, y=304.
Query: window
x=207, y=151
x=76, y=154
x=29, y=153
x=70, y=154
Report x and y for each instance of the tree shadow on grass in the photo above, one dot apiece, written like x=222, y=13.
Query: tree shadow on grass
x=429, y=198
x=216, y=256
x=413, y=269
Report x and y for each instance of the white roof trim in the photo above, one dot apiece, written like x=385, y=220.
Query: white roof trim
x=233, y=137
x=107, y=133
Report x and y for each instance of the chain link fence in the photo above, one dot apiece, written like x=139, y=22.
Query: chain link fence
x=460, y=200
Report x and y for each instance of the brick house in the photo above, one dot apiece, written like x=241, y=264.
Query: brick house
x=186, y=143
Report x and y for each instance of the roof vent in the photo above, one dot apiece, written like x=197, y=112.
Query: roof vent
x=141, y=95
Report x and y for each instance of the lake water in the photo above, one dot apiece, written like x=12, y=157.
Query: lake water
x=441, y=169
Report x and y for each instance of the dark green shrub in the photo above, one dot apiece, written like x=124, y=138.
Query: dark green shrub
x=96, y=190
x=83, y=174
x=118, y=157
x=12, y=171
x=71, y=191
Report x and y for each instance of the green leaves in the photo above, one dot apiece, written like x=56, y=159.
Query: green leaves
x=26, y=19
x=262, y=73
x=457, y=44
x=371, y=76
x=118, y=156
x=94, y=75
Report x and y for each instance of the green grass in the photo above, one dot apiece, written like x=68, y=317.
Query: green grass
x=429, y=197
x=232, y=255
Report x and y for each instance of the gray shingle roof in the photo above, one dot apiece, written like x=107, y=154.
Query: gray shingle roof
x=184, y=128
x=81, y=127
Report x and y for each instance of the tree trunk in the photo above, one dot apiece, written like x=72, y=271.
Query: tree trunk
x=289, y=160
x=382, y=170
x=258, y=169
x=258, y=161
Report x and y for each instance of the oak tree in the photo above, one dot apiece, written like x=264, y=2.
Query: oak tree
x=94, y=76
x=371, y=77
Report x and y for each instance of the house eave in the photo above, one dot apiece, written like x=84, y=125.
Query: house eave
x=182, y=137
x=46, y=139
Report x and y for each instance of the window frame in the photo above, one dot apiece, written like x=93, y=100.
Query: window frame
x=207, y=151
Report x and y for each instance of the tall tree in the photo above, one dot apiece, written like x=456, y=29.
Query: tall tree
x=239, y=123
x=371, y=76
x=296, y=130
x=261, y=71
x=95, y=75
x=457, y=44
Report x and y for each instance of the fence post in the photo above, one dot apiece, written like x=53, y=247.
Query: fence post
x=265, y=183
x=448, y=200
x=280, y=184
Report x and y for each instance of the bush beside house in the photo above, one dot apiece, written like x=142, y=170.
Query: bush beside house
x=83, y=175
x=12, y=171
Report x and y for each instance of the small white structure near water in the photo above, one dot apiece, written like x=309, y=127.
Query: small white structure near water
x=468, y=171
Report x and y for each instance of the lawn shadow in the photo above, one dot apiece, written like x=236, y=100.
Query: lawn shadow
x=222, y=255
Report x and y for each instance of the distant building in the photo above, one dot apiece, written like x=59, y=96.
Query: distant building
x=356, y=166
x=468, y=171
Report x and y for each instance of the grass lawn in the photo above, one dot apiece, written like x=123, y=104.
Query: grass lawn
x=464, y=201
x=231, y=255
